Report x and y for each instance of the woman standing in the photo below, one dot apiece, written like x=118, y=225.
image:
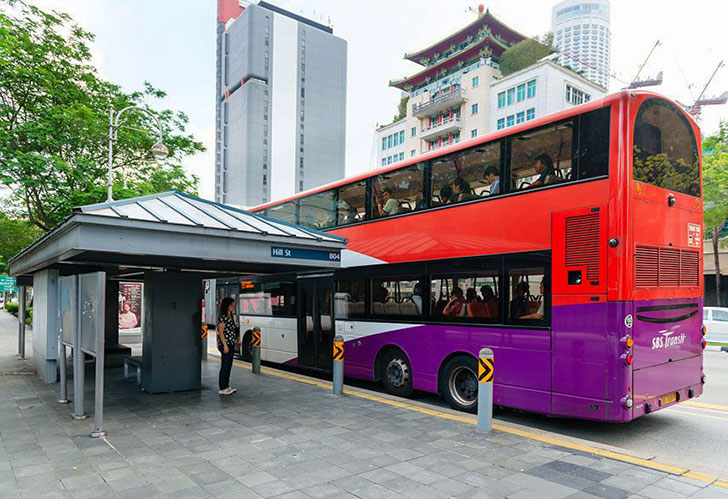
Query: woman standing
x=227, y=336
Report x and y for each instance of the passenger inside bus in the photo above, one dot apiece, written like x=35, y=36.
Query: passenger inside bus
x=417, y=297
x=388, y=205
x=471, y=296
x=380, y=293
x=544, y=166
x=347, y=214
x=487, y=294
x=540, y=312
x=492, y=176
x=454, y=306
x=459, y=191
x=519, y=303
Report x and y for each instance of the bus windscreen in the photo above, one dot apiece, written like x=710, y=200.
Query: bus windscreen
x=665, y=152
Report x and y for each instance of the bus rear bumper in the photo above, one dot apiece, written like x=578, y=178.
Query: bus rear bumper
x=654, y=387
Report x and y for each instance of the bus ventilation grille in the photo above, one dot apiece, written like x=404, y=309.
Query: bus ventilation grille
x=582, y=244
x=666, y=267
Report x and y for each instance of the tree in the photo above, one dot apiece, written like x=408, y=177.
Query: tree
x=715, y=193
x=525, y=53
x=54, y=116
x=401, y=108
x=14, y=236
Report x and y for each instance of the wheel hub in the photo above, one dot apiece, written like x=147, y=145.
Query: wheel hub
x=398, y=373
x=463, y=386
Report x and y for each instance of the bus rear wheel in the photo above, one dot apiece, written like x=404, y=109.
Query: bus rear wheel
x=460, y=383
x=396, y=373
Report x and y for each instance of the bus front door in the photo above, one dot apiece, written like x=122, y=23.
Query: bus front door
x=315, y=324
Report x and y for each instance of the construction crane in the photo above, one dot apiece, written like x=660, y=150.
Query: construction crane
x=647, y=82
x=700, y=102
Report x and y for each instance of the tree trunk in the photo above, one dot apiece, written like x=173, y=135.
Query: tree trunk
x=716, y=233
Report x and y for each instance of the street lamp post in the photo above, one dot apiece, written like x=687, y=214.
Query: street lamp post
x=159, y=150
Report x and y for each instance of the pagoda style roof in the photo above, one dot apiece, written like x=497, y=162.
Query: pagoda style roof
x=486, y=22
x=484, y=47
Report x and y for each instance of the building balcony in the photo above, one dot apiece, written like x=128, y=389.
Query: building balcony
x=439, y=103
x=445, y=127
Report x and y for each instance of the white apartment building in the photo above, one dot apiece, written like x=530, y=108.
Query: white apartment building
x=582, y=36
x=540, y=89
x=389, y=143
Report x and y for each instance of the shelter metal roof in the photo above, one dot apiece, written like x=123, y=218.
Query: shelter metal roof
x=177, y=230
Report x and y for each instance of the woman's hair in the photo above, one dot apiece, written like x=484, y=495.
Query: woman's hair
x=224, y=307
x=545, y=159
x=457, y=292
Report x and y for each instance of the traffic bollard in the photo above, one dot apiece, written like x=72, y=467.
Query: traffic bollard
x=338, y=365
x=485, y=390
x=255, y=350
x=62, y=367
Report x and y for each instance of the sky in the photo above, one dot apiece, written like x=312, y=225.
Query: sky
x=172, y=45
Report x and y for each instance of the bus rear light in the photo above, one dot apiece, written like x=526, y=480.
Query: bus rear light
x=704, y=330
x=627, y=402
x=705, y=343
x=702, y=379
x=629, y=388
x=628, y=360
x=629, y=343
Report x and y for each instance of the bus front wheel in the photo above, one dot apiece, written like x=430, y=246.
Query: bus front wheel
x=396, y=373
x=460, y=383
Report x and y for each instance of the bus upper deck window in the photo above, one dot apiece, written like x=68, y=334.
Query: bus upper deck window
x=351, y=205
x=665, y=152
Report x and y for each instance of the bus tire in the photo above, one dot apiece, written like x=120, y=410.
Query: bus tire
x=396, y=373
x=460, y=383
x=245, y=353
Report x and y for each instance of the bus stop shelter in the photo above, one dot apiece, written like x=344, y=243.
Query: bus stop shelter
x=171, y=242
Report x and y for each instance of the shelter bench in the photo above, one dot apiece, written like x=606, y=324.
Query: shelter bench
x=135, y=361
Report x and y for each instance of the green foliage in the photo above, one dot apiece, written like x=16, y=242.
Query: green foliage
x=14, y=236
x=401, y=108
x=12, y=308
x=525, y=53
x=715, y=179
x=54, y=116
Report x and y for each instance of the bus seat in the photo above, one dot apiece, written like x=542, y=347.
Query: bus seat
x=326, y=322
x=378, y=308
x=477, y=309
x=408, y=308
x=492, y=309
x=391, y=308
x=404, y=206
x=309, y=323
x=357, y=308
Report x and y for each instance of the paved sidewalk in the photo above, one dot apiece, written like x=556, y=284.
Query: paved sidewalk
x=278, y=437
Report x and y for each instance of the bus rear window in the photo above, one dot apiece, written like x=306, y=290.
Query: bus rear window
x=665, y=151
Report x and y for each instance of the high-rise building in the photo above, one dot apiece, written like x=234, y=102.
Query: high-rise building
x=280, y=103
x=449, y=99
x=582, y=36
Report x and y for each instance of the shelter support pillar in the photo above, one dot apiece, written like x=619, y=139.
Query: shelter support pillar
x=172, y=350
x=21, y=321
x=45, y=324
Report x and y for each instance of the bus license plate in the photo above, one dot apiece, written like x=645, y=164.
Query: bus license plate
x=668, y=399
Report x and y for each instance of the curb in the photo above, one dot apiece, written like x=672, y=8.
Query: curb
x=716, y=348
x=543, y=436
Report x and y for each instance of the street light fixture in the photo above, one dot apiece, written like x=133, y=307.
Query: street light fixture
x=159, y=150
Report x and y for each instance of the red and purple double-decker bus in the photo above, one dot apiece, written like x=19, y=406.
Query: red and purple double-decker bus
x=570, y=245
